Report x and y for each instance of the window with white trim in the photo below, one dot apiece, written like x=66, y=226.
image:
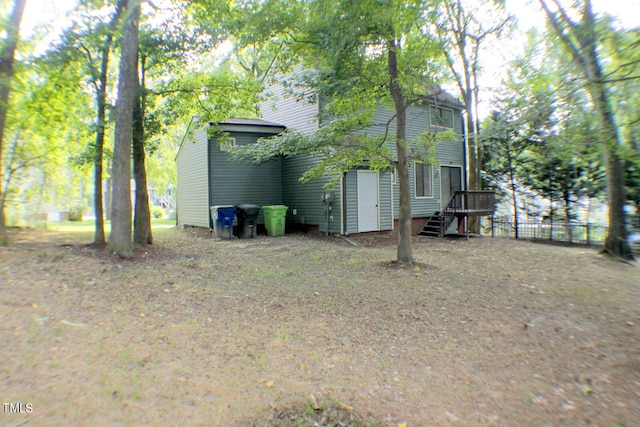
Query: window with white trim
x=424, y=180
x=227, y=143
x=441, y=117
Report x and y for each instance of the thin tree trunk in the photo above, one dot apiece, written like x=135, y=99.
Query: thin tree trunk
x=120, y=238
x=98, y=195
x=581, y=39
x=7, y=57
x=142, y=215
x=514, y=196
x=101, y=91
x=405, y=253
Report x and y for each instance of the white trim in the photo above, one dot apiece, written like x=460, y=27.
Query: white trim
x=225, y=147
x=250, y=128
x=342, y=207
x=377, y=175
x=440, y=166
x=415, y=186
x=393, y=219
x=439, y=125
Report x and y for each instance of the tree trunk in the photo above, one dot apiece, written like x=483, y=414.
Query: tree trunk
x=584, y=49
x=98, y=195
x=101, y=91
x=616, y=241
x=514, y=196
x=405, y=253
x=142, y=216
x=7, y=57
x=120, y=238
x=473, y=153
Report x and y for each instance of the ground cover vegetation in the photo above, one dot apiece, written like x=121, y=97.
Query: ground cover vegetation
x=151, y=325
x=294, y=330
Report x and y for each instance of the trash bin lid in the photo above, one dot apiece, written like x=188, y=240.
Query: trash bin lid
x=215, y=208
x=276, y=208
x=248, y=208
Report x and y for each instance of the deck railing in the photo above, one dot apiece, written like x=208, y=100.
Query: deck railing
x=478, y=200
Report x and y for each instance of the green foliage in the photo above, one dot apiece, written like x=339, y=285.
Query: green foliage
x=157, y=212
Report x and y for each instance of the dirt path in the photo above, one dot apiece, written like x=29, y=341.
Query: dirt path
x=280, y=331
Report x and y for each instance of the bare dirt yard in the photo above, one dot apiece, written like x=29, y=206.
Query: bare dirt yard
x=310, y=331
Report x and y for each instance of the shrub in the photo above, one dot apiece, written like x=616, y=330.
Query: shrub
x=157, y=212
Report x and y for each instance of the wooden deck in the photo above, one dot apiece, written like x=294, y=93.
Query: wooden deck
x=462, y=205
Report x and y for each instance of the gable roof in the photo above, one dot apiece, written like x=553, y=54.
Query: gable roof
x=235, y=125
x=249, y=125
x=439, y=96
x=249, y=122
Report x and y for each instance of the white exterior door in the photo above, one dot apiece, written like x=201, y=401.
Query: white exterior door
x=367, y=201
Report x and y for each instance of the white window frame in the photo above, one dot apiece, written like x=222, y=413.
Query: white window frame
x=415, y=180
x=227, y=143
x=432, y=121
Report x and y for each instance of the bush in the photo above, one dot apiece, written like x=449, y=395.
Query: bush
x=157, y=212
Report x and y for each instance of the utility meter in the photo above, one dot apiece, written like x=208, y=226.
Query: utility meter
x=328, y=197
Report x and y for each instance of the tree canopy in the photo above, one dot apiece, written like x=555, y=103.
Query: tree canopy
x=564, y=119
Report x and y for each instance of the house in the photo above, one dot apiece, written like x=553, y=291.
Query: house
x=364, y=201
x=208, y=177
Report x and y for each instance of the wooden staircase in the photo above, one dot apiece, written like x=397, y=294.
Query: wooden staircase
x=436, y=225
x=462, y=205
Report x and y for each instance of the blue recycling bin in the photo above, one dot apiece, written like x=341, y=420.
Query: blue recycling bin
x=222, y=217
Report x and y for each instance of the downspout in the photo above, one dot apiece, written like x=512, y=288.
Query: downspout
x=209, y=141
x=465, y=141
x=393, y=177
x=343, y=184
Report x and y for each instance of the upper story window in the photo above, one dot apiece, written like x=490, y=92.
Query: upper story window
x=442, y=117
x=227, y=143
x=424, y=180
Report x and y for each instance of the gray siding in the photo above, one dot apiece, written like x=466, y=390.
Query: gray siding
x=233, y=183
x=282, y=106
x=385, y=190
x=351, y=199
x=192, y=192
x=386, y=208
x=290, y=109
x=306, y=199
x=450, y=153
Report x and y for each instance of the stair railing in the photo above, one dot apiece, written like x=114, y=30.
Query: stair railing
x=456, y=202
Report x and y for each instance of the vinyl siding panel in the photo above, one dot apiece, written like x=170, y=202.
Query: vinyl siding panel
x=293, y=110
x=192, y=192
x=448, y=153
x=351, y=192
x=386, y=210
x=307, y=198
x=385, y=214
x=233, y=183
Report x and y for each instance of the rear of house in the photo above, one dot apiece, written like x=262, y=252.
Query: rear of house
x=363, y=201
x=367, y=200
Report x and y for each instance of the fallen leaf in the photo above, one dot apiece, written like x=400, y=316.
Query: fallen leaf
x=69, y=323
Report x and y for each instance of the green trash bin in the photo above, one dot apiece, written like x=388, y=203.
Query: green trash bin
x=274, y=219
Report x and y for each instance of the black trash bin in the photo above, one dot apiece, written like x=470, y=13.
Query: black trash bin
x=247, y=219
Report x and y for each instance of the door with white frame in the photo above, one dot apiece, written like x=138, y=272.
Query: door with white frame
x=368, y=201
x=450, y=182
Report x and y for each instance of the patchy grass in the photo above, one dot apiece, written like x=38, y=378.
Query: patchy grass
x=304, y=330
